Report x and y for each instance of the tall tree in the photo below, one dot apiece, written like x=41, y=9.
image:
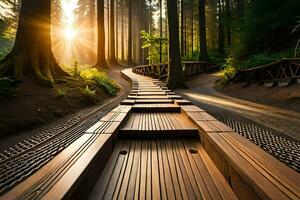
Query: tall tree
x=112, y=55
x=175, y=72
x=202, y=33
x=129, y=51
x=182, y=28
x=228, y=26
x=117, y=29
x=101, y=62
x=32, y=54
x=92, y=25
x=160, y=30
x=221, y=30
x=122, y=29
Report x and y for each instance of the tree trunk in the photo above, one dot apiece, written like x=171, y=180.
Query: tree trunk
x=101, y=62
x=108, y=28
x=32, y=54
x=129, y=51
x=185, y=36
x=112, y=57
x=221, y=33
x=192, y=32
x=150, y=27
x=92, y=28
x=228, y=28
x=182, y=28
x=122, y=30
x=202, y=33
x=160, y=31
x=175, y=72
x=117, y=29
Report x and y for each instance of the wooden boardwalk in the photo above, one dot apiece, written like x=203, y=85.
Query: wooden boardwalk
x=156, y=145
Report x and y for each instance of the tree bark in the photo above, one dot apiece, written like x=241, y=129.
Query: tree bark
x=182, y=28
x=122, y=30
x=175, y=72
x=228, y=28
x=192, y=32
x=92, y=28
x=160, y=31
x=150, y=26
x=129, y=51
x=117, y=29
x=202, y=32
x=32, y=54
x=221, y=33
x=112, y=55
x=101, y=62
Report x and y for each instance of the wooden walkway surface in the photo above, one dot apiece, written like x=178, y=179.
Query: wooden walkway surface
x=156, y=145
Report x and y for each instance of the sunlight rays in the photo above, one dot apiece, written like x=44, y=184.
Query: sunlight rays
x=70, y=38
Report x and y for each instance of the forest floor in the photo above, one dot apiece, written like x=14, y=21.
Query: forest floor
x=34, y=105
x=277, y=108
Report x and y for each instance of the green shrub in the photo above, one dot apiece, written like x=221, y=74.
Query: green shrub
x=228, y=70
x=88, y=92
x=263, y=58
x=101, y=79
x=60, y=93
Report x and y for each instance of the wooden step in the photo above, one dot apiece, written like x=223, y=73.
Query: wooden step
x=127, y=102
x=149, y=97
x=150, y=93
x=144, y=101
x=182, y=102
x=156, y=108
x=161, y=169
x=158, y=124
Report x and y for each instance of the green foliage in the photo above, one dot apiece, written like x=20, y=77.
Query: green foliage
x=101, y=79
x=152, y=42
x=228, y=70
x=7, y=34
x=268, y=25
x=264, y=58
x=60, y=93
x=7, y=87
x=88, y=92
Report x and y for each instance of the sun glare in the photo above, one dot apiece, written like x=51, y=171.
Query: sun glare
x=70, y=33
x=68, y=9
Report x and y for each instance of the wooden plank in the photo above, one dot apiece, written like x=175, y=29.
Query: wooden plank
x=191, y=108
x=167, y=107
x=114, y=117
x=151, y=101
x=101, y=147
x=182, y=102
x=104, y=127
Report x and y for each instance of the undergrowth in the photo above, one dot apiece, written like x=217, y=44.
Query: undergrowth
x=8, y=87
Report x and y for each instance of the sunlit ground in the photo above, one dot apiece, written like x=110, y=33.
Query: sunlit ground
x=71, y=38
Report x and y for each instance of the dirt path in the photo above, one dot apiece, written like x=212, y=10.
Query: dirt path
x=75, y=118
x=202, y=90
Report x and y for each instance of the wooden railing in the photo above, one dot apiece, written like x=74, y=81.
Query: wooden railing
x=160, y=71
x=282, y=72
